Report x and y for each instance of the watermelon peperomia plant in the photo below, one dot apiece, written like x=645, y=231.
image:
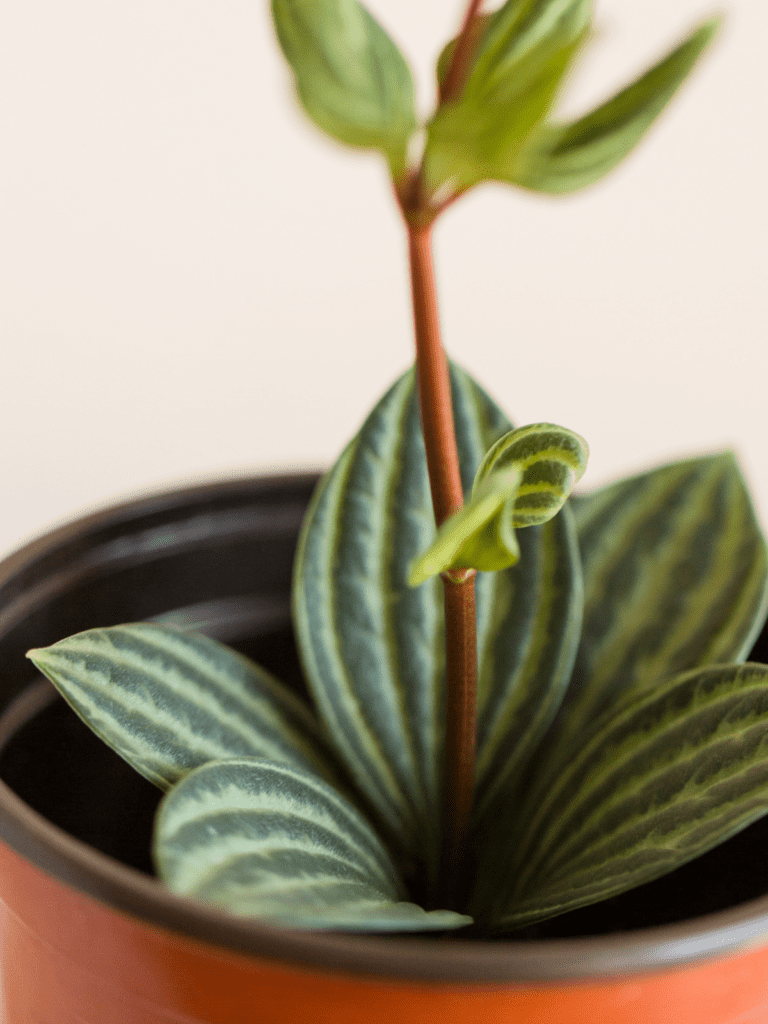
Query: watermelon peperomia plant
x=519, y=712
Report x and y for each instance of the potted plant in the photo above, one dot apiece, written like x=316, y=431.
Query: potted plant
x=522, y=704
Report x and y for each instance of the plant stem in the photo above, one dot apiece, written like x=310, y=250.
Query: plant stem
x=457, y=72
x=459, y=587
x=460, y=737
x=447, y=497
x=434, y=382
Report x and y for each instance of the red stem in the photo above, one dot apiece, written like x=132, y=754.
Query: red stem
x=460, y=738
x=460, y=625
x=447, y=497
x=458, y=70
x=434, y=382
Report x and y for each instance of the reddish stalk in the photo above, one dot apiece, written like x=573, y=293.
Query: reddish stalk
x=459, y=587
x=434, y=382
x=460, y=737
x=447, y=497
x=461, y=62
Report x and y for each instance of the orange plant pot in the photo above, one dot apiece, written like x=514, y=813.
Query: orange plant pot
x=90, y=937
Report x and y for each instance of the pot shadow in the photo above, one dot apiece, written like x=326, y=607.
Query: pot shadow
x=89, y=791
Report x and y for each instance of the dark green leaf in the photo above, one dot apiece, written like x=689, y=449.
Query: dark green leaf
x=168, y=702
x=373, y=648
x=567, y=157
x=267, y=840
x=351, y=78
x=666, y=778
x=529, y=622
x=675, y=576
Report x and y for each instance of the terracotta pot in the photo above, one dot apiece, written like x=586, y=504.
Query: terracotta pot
x=89, y=936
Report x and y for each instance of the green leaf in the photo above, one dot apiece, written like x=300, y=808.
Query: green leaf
x=272, y=841
x=667, y=777
x=479, y=28
x=520, y=34
x=524, y=480
x=479, y=536
x=374, y=649
x=525, y=52
x=351, y=78
x=675, y=575
x=562, y=158
x=168, y=702
x=529, y=622
x=552, y=460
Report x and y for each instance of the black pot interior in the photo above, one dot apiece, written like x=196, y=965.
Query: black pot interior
x=216, y=558
x=220, y=559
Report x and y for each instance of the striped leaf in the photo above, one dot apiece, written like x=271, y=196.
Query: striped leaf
x=351, y=78
x=524, y=480
x=273, y=841
x=564, y=158
x=168, y=702
x=670, y=775
x=373, y=648
x=552, y=460
x=675, y=576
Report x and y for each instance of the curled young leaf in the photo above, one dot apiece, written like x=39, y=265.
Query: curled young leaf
x=552, y=460
x=524, y=480
x=168, y=702
x=350, y=76
x=562, y=158
x=479, y=536
x=268, y=840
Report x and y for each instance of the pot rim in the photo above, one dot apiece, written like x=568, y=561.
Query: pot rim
x=73, y=863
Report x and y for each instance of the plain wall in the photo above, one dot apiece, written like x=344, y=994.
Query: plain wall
x=196, y=283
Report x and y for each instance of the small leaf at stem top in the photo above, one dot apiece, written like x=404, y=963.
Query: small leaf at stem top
x=350, y=76
x=525, y=50
x=563, y=158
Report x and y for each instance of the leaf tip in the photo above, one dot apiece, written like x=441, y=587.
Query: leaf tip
x=418, y=573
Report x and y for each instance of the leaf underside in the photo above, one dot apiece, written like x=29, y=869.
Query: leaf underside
x=479, y=535
x=275, y=842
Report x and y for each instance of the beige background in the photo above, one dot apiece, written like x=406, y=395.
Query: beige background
x=195, y=283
